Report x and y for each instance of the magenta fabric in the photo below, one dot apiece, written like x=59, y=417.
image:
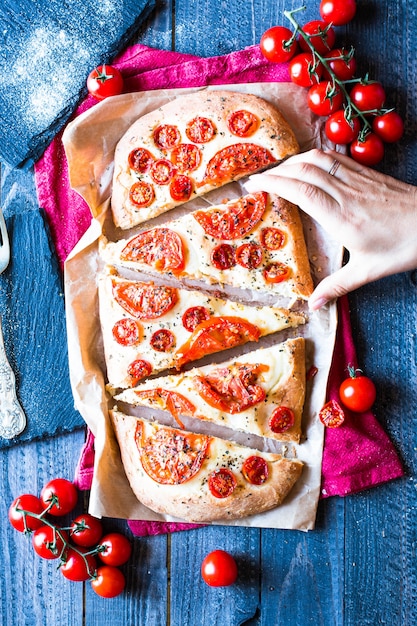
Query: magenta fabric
x=357, y=455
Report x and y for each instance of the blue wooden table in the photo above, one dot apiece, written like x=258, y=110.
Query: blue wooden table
x=359, y=566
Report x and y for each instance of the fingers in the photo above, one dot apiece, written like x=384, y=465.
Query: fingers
x=338, y=284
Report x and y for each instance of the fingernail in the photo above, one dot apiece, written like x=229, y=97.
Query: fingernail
x=313, y=305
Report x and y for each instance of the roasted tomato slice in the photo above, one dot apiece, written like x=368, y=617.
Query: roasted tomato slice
x=162, y=340
x=162, y=171
x=166, y=136
x=127, y=332
x=167, y=400
x=282, y=419
x=140, y=160
x=181, y=188
x=332, y=414
x=243, y=123
x=186, y=157
x=222, y=483
x=235, y=219
x=234, y=161
x=272, y=238
x=141, y=194
x=139, y=369
x=144, y=301
x=255, y=470
x=200, y=130
x=249, y=255
x=160, y=248
x=169, y=456
x=194, y=316
x=276, y=272
x=215, y=334
x=231, y=389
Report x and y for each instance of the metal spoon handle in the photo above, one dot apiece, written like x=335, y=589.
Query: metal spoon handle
x=12, y=416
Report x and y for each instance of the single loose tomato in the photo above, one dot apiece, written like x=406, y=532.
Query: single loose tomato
x=337, y=12
x=60, y=496
x=115, y=549
x=321, y=36
x=278, y=44
x=305, y=71
x=357, y=392
x=331, y=414
x=78, y=565
x=368, y=151
x=24, y=522
x=108, y=582
x=324, y=98
x=219, y=569
x=235, y=219
x=369, y=96
x=341, y=62
x=389, y=126
x=105, y=81
x=49, y=542
x=86, y=530
x=341, y=130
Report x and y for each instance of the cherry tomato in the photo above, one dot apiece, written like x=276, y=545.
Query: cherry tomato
x=282, y=419
x=357, y=392
x=321, y=36
x=222, y=483
x=337, y=12
x=332, y=415
x=25, y=522
x=61, y=495
x=277, y=44
x=276, y=272
x=86, y=530
x=116, y=549
x=127, y=332
x=200, y=130
x=141, y=194
x=77, y=565
x=368, y=96
x=223, y=256
x=105, y=81
x=389, y=126
x=342, y=63
x=249, y=255
x=194, y=316
x=109, y=581
x=304, y=70
x=49, y=542
x=243, y=123
x=162, y=340
x=139, y=369
x=181, y=188
x=255, y=470
x=219, y=569
x=369, y=152
x=324, y=98
x=340, y=130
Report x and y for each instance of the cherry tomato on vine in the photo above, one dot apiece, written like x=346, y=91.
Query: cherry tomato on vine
x=104, y=81
x=368, y=151
x=337, y=12
x=77, y=565
x=324, y=98
x=49, y=542
x=19, y=520
x=277, y=44
x=219, y=569
x=389, y=126
x=368, y=96
x=342, y=63
x=357, y=392
x=340, y=130
x=321, y=36
x=61, y=495
x=304, y=70
x=86, y=530
x=109, y=582
x=117, y=549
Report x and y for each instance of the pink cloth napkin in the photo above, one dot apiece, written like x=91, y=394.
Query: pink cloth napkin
x=357, y=455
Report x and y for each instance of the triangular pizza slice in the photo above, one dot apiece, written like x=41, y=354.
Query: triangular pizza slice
x=261, y=392
x=147, y=327
x=191, y=145
x=200, y=478
x=255, y=242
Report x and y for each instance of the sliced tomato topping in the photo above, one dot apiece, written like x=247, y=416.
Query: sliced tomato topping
x=249, y=255
x=127, y=332
x=169, y=456
x=332, y=414
x=194, y=316
x=181, y=188
x=162, y=340
x=234, y=161
x=235, y=219
x=214, y=335
x=186, y=157
x=272, y=238
x=141, y=194
x=232, y=389
x=166, y=400
x=144, y=301
x=139, y=369
x=200, y=130
x=161, y=248
x=166, y=136
x=243, y=123
x=255, y=470
x=223, y=256
x=162, y=171
x=222, y=483
x=140, y=160
x=282, y=419
x=276, y=272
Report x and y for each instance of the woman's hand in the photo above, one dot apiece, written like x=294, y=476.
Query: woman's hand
x=374, y=216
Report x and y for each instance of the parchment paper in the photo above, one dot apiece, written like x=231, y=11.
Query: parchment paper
x=89, y=143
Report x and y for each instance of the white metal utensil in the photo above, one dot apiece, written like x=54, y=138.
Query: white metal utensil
x=12, y=416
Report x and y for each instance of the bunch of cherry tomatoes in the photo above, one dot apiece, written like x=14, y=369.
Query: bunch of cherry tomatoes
x=354, y=107
x=83, y=550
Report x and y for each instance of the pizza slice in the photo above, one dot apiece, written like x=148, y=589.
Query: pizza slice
x=255, y=242
x=200, y=478
x=261, y=392
x=191, y=145
x=148, y=327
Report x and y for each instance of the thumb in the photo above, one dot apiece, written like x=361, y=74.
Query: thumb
x=338, y=284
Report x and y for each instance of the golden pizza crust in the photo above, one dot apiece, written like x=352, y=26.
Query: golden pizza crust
x=273, y=134
x=192, y=500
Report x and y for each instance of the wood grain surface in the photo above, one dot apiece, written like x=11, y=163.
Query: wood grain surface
x=358, y=567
